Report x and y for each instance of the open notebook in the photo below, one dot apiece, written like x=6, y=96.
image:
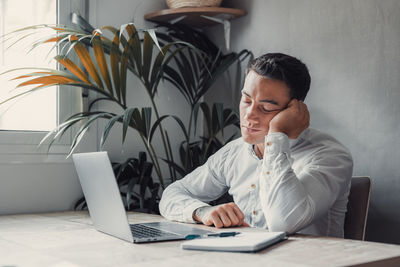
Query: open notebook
x=244, y=242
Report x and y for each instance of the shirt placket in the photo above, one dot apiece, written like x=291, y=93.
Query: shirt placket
x=254, y=207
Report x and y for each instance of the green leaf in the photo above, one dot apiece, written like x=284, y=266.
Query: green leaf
x=20, y=39
x=207, y=116
x=230, y=138
x=185, y=67
x=108, y=128
x=91, y=104
x=81, y=132
x=176, y=167
x=153, y=36
x=57, y=130
x=154, y=127
x=81, y=22
x=131, y=184
x=115, y=31
x=183, y=128
x=135, y=47
x=114, y=62
x=173, y=174
x=123, y=72
x=147, y=56
x=195, y=115
x=138, y=122
x=171, y=56
x=81, y=202
x=145, y=178
x=217, y=117
x=177, y=81
x=26, y=92
x=156, y=69
x=157, y=122
x=146, y=117
x=127, y=118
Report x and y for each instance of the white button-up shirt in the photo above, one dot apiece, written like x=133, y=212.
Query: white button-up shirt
x=300, y=184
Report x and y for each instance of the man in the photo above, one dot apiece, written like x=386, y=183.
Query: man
x=283, y=176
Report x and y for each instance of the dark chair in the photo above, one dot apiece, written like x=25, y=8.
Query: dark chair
x=357, y=208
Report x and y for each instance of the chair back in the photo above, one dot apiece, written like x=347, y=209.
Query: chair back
x=357, y=208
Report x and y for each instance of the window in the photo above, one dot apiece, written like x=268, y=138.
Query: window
x=25, y=120
x=38, y=111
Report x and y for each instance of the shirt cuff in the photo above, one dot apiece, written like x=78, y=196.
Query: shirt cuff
x=188, y=211
x=276, y=143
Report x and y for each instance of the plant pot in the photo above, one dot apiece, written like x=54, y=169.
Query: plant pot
x=192, y=3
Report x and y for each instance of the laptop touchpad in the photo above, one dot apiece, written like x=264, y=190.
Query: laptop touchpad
x=178, y=228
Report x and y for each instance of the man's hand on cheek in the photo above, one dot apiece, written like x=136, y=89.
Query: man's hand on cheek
x=291, y=121
x=224, y=215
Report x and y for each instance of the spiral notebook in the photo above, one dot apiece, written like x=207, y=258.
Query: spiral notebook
x=244, y=242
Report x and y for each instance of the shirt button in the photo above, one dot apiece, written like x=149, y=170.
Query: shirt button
x=269, y=143
x=267, y=172
x=253, y=186
x=254, y=212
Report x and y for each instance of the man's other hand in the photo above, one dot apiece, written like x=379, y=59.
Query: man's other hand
x=224, y=215
x=291, y=121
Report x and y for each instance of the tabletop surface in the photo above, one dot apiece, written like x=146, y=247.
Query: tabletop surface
x=69, y=239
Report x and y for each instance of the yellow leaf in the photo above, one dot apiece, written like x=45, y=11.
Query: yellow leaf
x=87, y=61
x=73, y=68
x=101, y=61
x=53, y=79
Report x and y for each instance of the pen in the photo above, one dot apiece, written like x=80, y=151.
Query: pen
x=222, y=234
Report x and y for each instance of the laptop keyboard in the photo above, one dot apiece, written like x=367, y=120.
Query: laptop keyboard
x=141, y=231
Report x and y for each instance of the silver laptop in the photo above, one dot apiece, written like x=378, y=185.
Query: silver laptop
x=106, y=208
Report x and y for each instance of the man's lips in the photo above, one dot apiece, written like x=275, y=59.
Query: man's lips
x=250, y=129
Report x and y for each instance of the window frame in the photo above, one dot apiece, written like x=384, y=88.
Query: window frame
x=14, y=143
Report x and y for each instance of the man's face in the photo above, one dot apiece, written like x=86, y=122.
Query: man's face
x=261, y=100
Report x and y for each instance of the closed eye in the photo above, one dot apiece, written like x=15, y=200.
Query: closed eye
x=246, y=100
x=264, y=110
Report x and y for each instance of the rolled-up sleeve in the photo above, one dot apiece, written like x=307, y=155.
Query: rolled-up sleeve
x=292, y=201
x=204, y=184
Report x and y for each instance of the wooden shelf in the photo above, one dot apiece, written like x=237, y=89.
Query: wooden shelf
x=193, y=15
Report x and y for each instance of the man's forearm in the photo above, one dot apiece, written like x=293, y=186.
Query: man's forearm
x=290, y=200
x=177, y=205
x=284, y=200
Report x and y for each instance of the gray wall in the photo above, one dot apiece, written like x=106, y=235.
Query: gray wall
x=168, y=100
x=352, y=48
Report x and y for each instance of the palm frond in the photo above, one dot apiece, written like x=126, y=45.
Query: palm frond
x=86, y=60
x=108, y=128
x=73, y=68
x=101, y=61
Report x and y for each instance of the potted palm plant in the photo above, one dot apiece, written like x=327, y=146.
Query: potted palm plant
x=184, y=57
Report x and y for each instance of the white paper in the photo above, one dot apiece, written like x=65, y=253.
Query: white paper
x=245, y=242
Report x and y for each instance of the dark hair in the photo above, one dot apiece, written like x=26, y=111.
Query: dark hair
x=284, y=68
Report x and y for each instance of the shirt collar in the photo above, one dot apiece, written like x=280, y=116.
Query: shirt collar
x=294, y=142
x=252, y=153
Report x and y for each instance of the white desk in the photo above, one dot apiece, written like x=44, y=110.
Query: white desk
x=68, y=239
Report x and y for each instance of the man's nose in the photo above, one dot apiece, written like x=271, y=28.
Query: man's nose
x=251, y=114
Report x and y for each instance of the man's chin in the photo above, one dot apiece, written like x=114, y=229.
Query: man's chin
x=252, y=140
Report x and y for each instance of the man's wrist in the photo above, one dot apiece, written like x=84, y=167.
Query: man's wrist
x=276, y=143
x=273, y=129
x=198, y=213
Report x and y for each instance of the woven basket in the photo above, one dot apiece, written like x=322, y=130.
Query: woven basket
x=192, y=3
